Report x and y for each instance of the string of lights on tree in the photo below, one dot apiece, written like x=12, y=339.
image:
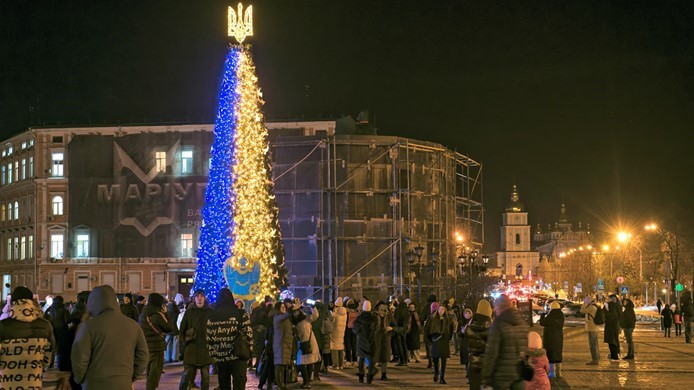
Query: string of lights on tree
x=240, y=235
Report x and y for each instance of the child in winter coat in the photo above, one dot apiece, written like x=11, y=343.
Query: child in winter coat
x=537, y=357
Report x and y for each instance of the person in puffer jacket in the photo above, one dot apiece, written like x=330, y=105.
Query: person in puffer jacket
x=155, y=325
x=29, y=343
x=537, y=357
x=337, y=336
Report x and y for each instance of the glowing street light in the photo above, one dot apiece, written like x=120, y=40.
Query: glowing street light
x=651, y=227
x=623, y=236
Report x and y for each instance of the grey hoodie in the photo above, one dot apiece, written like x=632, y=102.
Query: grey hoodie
x=110, y=349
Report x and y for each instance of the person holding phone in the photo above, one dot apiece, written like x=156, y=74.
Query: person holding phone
x=155, y=325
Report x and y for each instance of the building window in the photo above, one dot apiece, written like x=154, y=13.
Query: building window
x=10, y=211
x=4, y=153
x=24, y=168
x=57, y=169
x=186, y=162
x=4, y=175
x=30, y=249
x=57, y=246
x=23, y=248
x=9, y=249
x=2, y=213
x=519, y=269
x=16, y=248
x=82, y=245
x=517, y=239
x=16, y=210
x=187, y=245
x=9, y=173
x=24, y=145
x=10, y=150
x=160, y=161
x=16, y=170
x=31, y=166
x=57, y=205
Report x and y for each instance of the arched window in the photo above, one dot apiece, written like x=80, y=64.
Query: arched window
x=2, y=213
x=517, y=239
x=519, y=269
x=57, y=205
x=16, y=210
x=10, y=211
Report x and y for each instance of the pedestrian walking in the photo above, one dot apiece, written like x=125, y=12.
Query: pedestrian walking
x=687, y=316
x=384, y=331
x=155, y=325
x=590, y=310
x=282, y=341
x=537, y=358
x=666, y=315
x=266, y=366
x=413, y=332
x=464, y=348
x=128, y=308
x=258, y=322
x=27, y=341
x=322, y=327
x=508, y=337
x=227, y=327
x=659, y=305
x=59, y=318
x=364, y=327
x=476, y=334
x=553, y=338
x=193, y=332
x=350, y=336
x=110, y=349
x=337, y=336
x=402, y=317
x=439, y=330
x=306, y=357
x=424, y=315
x=613, y=313
x=677, y=318
x=172, y=312
x=628, y=324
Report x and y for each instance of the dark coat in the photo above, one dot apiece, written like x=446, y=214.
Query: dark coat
x=612, y=329
x=628, y=316
x=258, y=324
x=59, y=318
x=317, y=327
x=155, y=329
x=195, y=352
x=364, y=329
x=382, y=337
x=667, y=316
x=224, y=324
x=476, y=334
x=130, y=311
x=462, y=341
x=172, y=312
x=553, y=335
x=283, y=338
x=402, y=316
x=413, y=331
x=508, y=337
x=688, y=311
x=439, y=330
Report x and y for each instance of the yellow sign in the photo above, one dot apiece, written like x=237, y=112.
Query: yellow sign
x=240, y=23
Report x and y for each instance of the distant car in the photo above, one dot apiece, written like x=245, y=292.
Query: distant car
x=571, y=309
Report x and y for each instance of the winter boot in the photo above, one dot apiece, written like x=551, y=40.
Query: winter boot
x=316, y=372
x=436, y=376
x=442, y=381
x=384, y=377
x=557, y=370
x=279, y=378
x=369, y=379
x=361, y=378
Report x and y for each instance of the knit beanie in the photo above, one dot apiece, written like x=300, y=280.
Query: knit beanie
x=366, y=306
x=554, y=305
x=484, y=308
x=21, y=292
x=534, y=340
x=155, y=299
x=434, y=307
x=338, y=302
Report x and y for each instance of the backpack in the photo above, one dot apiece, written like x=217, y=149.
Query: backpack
x=599, y=318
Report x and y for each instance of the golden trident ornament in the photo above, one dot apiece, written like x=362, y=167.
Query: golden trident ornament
x=240, y=23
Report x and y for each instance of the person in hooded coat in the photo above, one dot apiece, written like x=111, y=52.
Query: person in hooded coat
x=402, y=316
x=155, y=325
x=337, y=336
x=350, y=338
x=304, y=331
x=439, y=330
x=628, y=323
x=321, y=327
x=613, y=313
x=282, y=341
x=666, y=313
x=424, y=315
x=553, y=337
x=28, y=342
x=476, y=333
x=195, y=353
x=384, y=330
x=258, y=324
x=110, y=349
x=414, y=328
x=172, y=340
x=59, y=318
x=267, y=361
x=462, y=341
x=537, y=358
x=364, y=327
x=128, y=307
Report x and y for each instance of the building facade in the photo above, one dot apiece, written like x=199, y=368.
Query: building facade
x=121, y=205
x=516, y=259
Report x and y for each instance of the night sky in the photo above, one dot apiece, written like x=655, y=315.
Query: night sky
x=590, y=102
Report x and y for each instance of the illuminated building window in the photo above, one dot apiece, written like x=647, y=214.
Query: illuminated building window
x=9, y=150
x=186, y=162
x=24, y=145
x=9, y=249
x=16, y=210
x=187, y=245
x=57, y=205
x=82, y=245
x=160, y=161
x=2, y=213
x=57, y=169
x=4, y=175
x=24, y=168
x=31, y=166
x=30, y=249
x=10, y=211
x=9, y=173
x=23, y=248
x=16, y=170
x=57, y=246
x=16, y=248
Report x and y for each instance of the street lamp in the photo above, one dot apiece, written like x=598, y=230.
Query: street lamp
x=419, y=252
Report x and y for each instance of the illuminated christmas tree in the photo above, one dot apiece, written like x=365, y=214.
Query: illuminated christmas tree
x=240, y=240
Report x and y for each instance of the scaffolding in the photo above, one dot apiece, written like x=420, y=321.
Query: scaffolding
x=351, y=206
